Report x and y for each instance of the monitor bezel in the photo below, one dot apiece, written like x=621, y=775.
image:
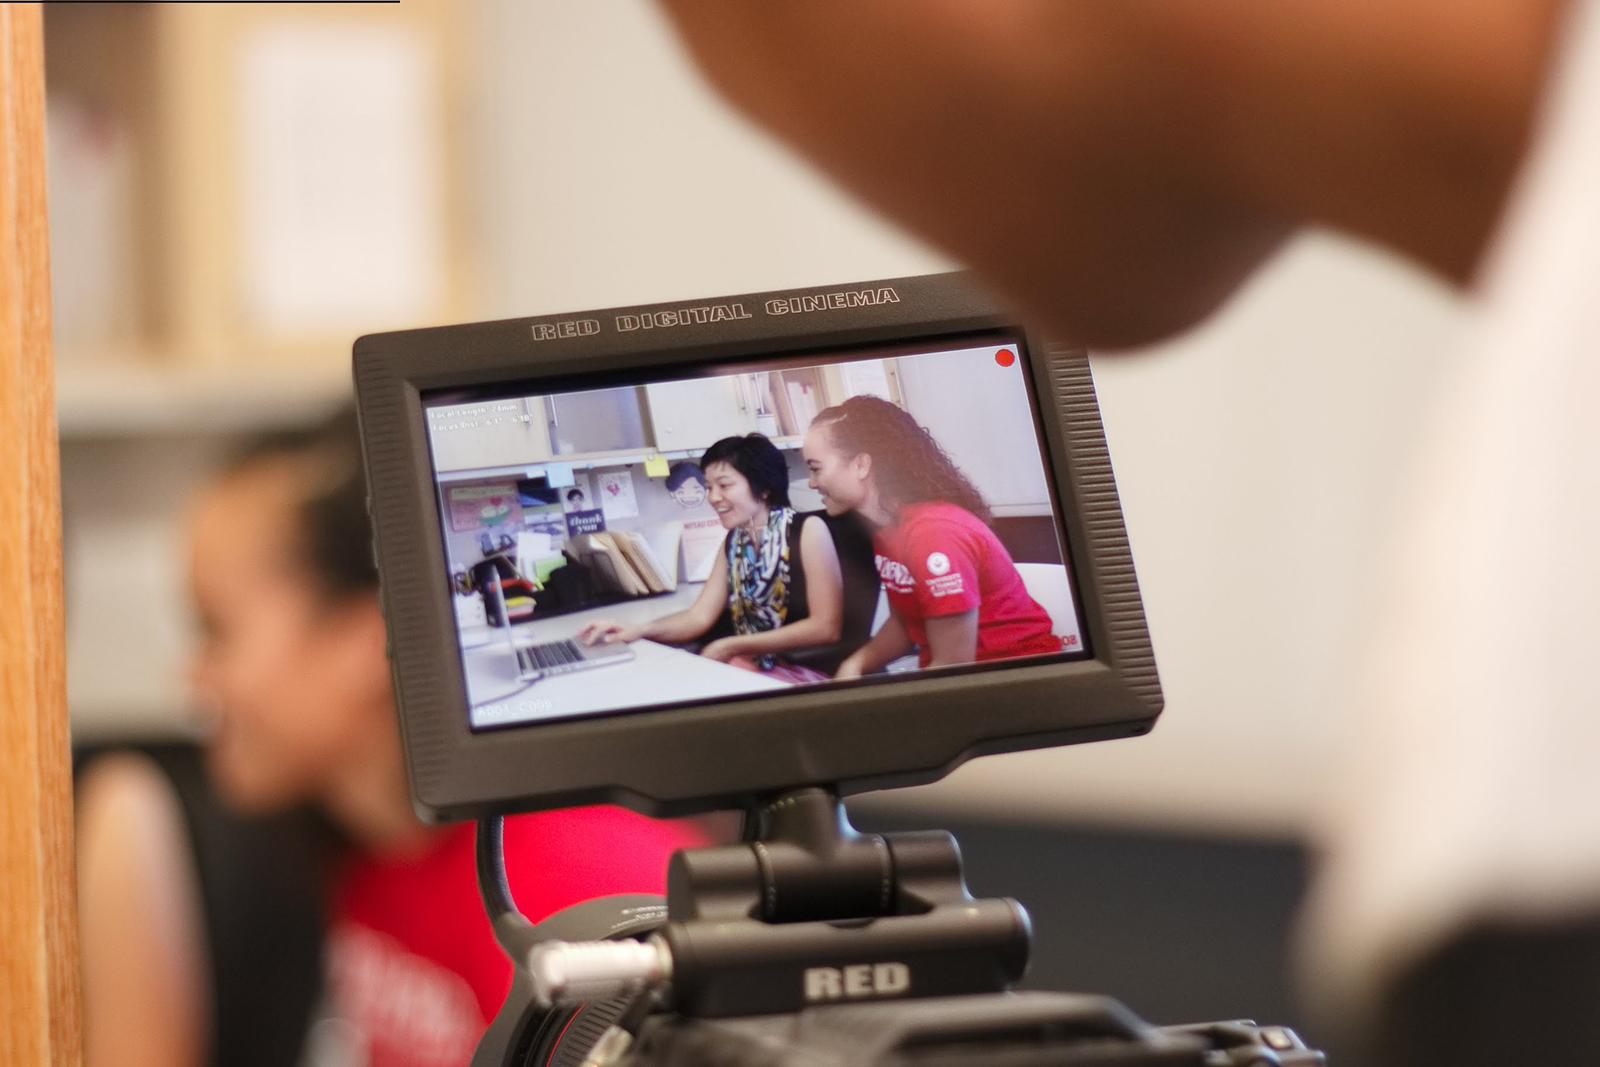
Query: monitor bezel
x=732, y=752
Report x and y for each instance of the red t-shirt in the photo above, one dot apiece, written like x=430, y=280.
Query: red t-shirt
x=939, y=559
x=414, y=972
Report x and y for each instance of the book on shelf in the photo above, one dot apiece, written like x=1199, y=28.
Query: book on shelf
x=608, y=561
x=635, y=562
x=659, y=544
x=628, y=543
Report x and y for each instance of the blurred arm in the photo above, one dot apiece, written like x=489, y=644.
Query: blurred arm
x=887, y=645
x=952, y=639
x=145, y=975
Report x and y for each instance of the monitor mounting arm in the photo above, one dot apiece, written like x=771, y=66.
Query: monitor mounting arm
x=809, y=912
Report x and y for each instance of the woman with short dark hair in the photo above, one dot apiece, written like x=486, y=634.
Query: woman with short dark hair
x=778, y=574
x=758, y=461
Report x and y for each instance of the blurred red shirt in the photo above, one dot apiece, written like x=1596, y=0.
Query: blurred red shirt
x=414, y=972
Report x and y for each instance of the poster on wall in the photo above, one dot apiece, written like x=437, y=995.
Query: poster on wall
x=341, y=217
x=588, y=521
x=687, y=484
x=702, y=541
x=615, y=490
x=546, y=519
x=478, y=507
x=577, y=496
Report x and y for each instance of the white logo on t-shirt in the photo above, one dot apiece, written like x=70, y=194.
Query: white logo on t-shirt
x=938, y=563
x=894, y=574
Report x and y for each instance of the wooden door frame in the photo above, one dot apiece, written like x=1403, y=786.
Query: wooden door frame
x=39, y=1022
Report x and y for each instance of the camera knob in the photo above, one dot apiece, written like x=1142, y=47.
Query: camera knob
x=568, y=972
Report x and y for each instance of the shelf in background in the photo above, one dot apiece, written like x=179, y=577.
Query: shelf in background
x=99, y=398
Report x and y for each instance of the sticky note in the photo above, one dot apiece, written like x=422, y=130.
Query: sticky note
x=655, y=466
x=558, y=475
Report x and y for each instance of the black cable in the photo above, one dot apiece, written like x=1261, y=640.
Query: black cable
x=511, y=928
x=750, y=823
x=493, y=885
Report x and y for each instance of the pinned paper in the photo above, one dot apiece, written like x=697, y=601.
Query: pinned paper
x=615, y=490
x=342, y=217
x=580, y=523
x=558, y=475
x=474, y=507
x=655, y=466
x=687, y=484
x=702, y=540
x=575, y=495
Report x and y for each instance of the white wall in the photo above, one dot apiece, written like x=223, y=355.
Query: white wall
x=1256, y=456
x=610, y=176
x=129, y=625
x=984, y=422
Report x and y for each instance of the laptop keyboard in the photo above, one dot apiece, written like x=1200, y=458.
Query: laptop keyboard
x=551, y=658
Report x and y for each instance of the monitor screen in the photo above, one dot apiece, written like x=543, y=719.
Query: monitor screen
x=738, y=530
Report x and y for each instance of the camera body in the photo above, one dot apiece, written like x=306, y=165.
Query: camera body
x=536, y=508
x=1011, y=1030
x=816, y=945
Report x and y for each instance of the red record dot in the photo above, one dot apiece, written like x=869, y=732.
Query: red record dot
x=1005, y=357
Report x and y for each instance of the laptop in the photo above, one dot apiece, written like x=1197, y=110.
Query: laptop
x=561, y=657
x=557, y=657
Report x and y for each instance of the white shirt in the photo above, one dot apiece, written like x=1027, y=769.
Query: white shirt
x=1474, y=791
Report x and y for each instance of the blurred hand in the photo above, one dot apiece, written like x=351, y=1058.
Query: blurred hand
x=1118, y=170
x=609, y=632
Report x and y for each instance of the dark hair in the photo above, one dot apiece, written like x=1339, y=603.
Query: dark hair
x=684, y=471
x=334, y=535
x=908, y=464
x=759, y=460
x=576, y=493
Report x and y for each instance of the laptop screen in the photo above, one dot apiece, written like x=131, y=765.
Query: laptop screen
x=839, y=518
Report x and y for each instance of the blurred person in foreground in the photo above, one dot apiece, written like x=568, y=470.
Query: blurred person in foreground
x=346, y=932
x=1119, y=170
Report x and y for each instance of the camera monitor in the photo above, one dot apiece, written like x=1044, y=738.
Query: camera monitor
x=687, y=555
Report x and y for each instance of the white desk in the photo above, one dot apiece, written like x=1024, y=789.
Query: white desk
x=658, y=674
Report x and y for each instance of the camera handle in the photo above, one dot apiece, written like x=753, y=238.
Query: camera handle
x=808, y=864
x=809, y=912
